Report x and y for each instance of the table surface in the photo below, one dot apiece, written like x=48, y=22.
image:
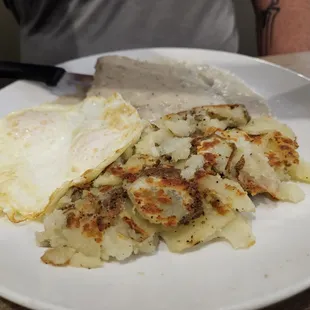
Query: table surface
x=299, y=62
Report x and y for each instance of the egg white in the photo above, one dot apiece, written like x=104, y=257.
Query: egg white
x=47, y=149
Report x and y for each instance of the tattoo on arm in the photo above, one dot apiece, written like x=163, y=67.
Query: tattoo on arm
x=265, y=19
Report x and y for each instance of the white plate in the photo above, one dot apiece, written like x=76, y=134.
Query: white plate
x=213, y=277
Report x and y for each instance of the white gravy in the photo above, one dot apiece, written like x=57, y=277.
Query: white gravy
x=156, y=89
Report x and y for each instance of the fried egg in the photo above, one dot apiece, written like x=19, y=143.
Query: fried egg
x=47, y=149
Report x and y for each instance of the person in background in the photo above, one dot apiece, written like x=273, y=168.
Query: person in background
x=53, y=31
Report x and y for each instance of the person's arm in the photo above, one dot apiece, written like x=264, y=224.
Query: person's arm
x=283, y=26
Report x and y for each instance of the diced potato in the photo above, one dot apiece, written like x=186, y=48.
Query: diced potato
x=131, y=235
x=124, y=239
x=193, y=164
x=180, y=128
x=87, y=246
x=147, y=146
x=150, y=144
x=60, y=256
x=52, y=235
x=217, y=153
x=178, y=148
x=117, y=243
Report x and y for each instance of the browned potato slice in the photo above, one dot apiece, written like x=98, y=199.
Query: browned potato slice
x=265, y=124
x=229, y=192
x=238, y=233
x=206, y=119
x=165, y=199
x=60, y=256
x=199, y=230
